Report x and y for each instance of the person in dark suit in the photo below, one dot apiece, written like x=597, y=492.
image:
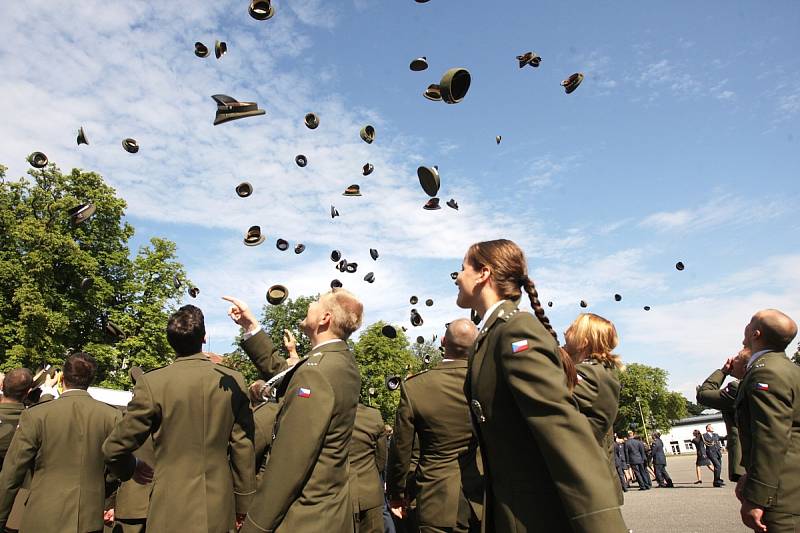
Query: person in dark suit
x=198, y=416
x=540, y=474
x=768, y=416
x=621, y=464
x=305, y=486
x=637, y=455
x=660, y=462
x=714, y=453
x=60, y=442
x=434, y=409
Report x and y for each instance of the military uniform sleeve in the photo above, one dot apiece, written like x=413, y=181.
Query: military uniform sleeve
x=769, y=402
x=530, y=362
x=134, y=428
x=241, y=451
x=19, y=460
x=264, y=355
x=381, y=451
x=711, y=394
x=401, y=447
x=302, y=426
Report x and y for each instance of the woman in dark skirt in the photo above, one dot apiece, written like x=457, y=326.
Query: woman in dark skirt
x=702, y=458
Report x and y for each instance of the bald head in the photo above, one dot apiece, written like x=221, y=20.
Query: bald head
x=16, y=384
x=459, y=338
x=776, y=329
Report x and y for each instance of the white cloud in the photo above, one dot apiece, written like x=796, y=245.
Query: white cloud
x=721, y=210
x=544, y=170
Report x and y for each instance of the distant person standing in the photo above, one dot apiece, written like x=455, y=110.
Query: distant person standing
x=702, y=459
x=621, y=464
x=714, y=453
x=637, y=459
x=660, y=462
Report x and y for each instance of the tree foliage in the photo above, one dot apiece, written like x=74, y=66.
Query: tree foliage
x=796, y=356
x=659, y=406
x=47, y=309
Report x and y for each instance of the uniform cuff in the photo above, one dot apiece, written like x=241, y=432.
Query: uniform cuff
x=760, y=493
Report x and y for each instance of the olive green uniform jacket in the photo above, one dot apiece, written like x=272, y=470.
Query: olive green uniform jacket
x=61, y=442
x=711, y=394
x=264, y=420
x=366, y=489
x=768, y=415
x=132, y=500
x=433, y=407
x=9, y=418
x=541, y=474
x=305, y=485
x=199, y=416
x=597, y=396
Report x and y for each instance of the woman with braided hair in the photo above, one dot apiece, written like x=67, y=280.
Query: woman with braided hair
x=543, y=470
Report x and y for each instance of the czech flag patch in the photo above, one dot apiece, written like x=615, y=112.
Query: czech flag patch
x=303, y=392
x=519, y=346
x=762, y=386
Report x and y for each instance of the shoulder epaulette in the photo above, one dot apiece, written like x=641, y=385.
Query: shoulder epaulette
x=505, y=317
x=314, y=358
x=417, y=374
x=157, y=368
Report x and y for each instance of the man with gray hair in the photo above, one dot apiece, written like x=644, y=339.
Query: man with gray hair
x=305, y=485
x=433, y=407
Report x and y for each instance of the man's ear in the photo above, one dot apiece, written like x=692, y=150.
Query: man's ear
x=326, y=318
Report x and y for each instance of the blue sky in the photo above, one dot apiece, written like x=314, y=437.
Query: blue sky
x=682, y=143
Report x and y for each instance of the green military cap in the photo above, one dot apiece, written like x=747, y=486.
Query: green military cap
x=367, y=169
x=618, y=297
x=389, y=331
x=351, y=268
x=429, y=302
x=368, y=134
x=429, y=179
x=228, y=108
x=373, y=253
x=220, y=49
x=393, y=382
x=244, y=189
x=82, y=136
x=336, y=284
x=37, y=160
x=370, y=277
x=451, y=203
x=176, y=281
x=81, y=213
x=427, y=359
x=416, y=318
x=420, y=339
x=334, y=212
x=312, y=121
x=277, y=294
x=336, y=256
x=86, y=284
x=584, y=304
x=253, y=237
x=299, y=248
x=529, y=58
x=114, y=331
x=419, y=64
x=342, y=266
x=454, y=85
x=571, y=83
x=261, y=9
x=646, y=307
x=454, y=275
x=372, y=392
x=45, y=370
x=282, y=245
x=200, y=50
x=433, y=92
x=475, y=317
x=432, y=205
x=301, y=160
x=679, y=265
x=352, y=190
x=130, y=145
x=135, y=373
x=193, y=292
x=413, y=300
x=549, y=304
x=498, y=139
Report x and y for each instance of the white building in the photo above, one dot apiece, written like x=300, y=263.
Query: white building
x=679, y=438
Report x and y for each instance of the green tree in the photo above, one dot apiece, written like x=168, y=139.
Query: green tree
x=694, y=409
x=644, y=394
x=61, y=282
x=796, y=356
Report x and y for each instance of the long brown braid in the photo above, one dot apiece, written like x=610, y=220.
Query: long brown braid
x=538, y=310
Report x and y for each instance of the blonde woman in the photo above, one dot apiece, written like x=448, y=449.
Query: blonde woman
x=590, y=342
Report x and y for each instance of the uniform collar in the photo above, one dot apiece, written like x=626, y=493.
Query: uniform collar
x=74, y=392
x=326, y=343
x=452, y=363
x=199, y=356
x=756, y=356
x=488, y=314
x=12, y=406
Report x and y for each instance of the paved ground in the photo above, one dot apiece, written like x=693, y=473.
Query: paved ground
x=687, y=508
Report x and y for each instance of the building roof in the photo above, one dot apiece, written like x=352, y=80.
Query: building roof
x=694, y=420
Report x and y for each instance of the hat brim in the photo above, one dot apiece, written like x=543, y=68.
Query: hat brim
x=454, y=85
x=433, y=93
x=260, y=15
x=260, y=240
x=367, y=134
x=130, y=147
x=429, y=180
x=83, y=215
x=277, y=294
x=222, y=118
x=347, y=193
x=418, y=65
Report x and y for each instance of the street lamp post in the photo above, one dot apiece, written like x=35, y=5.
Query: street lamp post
x=644, y=424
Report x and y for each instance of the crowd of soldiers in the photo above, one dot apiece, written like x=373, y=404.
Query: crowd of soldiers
x=510, y=432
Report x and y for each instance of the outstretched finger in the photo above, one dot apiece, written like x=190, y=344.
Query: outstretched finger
x=236, y=302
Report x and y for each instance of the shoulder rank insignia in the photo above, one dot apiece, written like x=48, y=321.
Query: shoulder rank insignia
x=519, y=346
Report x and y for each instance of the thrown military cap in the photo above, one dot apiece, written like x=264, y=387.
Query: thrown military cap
x=371, y=391
x=584, y=304
x=432, y=205
x=37, y=160
x=81, y=213
x=114, y=330
x=368, y=134
x=419, y=64
x=529, y=58
x=420, y=339
x=351, y=268
x=618, y=297
x=571, y=83
x=244, y=189
x=312, y=121
x=228, y=108
x=200, y=50
x=370, y=277
x=352, y=190
x=336, y=256
x=367, y=169
x=254, y=236
x=373, y=253
x=433, y=93
x=45, y=369
x=389, y=331
x=193, y=292
x=130, y=145
x=429, y=302
x=429, y=179
x=454, y=275
x=549, y=304
x=416, y=318
x=176, y=281
x=475, y=317
x=135, y=373
x=277, y=294
x=342, y=266
x=82, y=136
x=454, y=85
x=646, y=307
x=300, y=248
x=334, y=212
x=679, y=265
x=413, y=300
x=393, y=382
x=261, y=9
x=452, y=204
x=282, y=245
x=336, y=284
x=301, y=160
x=220, y=48
x=498, y=139
x=86, y=284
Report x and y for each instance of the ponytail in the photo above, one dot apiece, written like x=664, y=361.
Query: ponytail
x=538, y=310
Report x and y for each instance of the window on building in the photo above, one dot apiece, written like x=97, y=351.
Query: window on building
x=689, y=445
x=675, y=445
